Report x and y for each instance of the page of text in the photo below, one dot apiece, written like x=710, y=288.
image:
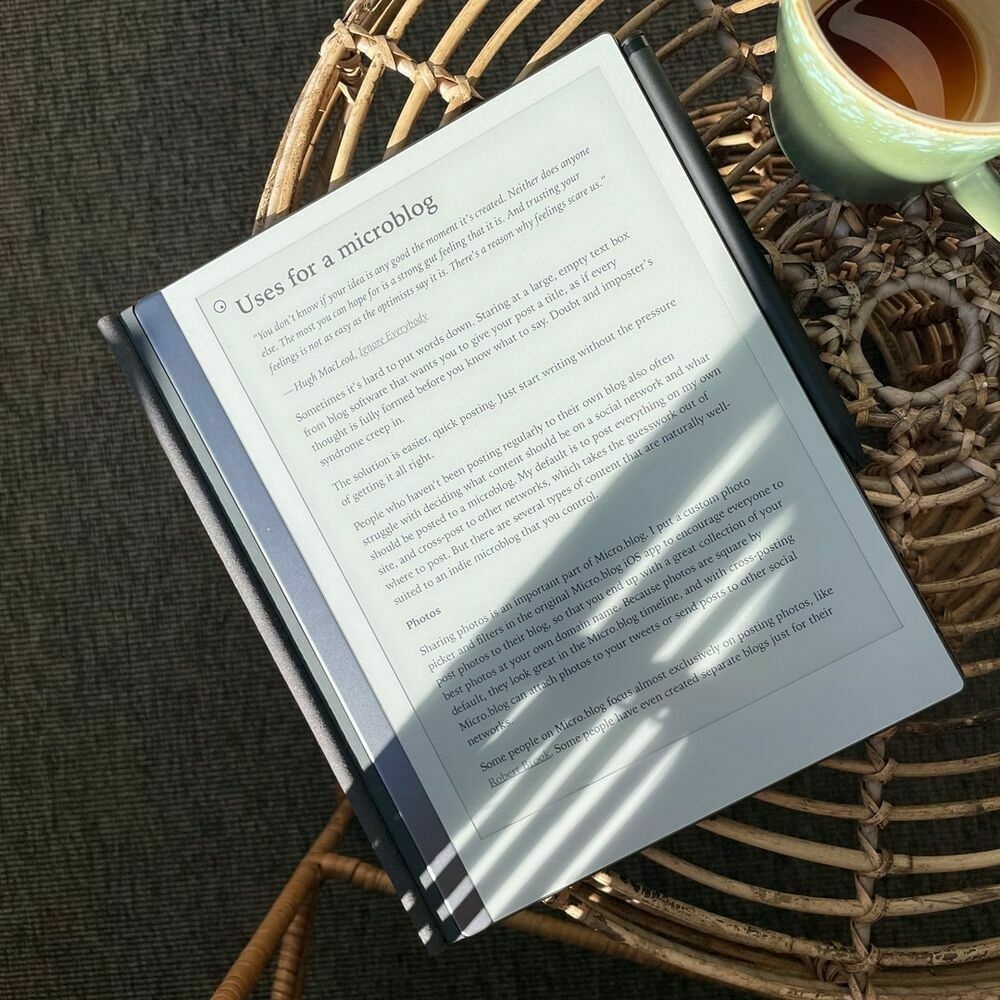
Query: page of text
x=546, y=458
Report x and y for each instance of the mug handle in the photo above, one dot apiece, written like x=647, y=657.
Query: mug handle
x=978, y=192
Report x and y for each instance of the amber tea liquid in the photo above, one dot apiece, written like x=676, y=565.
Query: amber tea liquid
x=919, y=53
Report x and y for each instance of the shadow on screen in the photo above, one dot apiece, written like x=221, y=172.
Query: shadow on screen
x=579, y=680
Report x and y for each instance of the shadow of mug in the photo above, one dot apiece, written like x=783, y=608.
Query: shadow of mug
x=852, y=141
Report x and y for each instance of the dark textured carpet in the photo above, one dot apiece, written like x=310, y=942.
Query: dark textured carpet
x=157, y=785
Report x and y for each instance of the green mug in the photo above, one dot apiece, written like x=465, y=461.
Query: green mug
x=855, y=143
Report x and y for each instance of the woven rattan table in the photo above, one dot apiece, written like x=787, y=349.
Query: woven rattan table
x=903, y=305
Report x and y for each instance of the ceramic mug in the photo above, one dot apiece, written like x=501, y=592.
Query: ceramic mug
x=855, y=143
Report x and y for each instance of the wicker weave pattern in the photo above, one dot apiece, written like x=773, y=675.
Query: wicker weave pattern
x=916, y=286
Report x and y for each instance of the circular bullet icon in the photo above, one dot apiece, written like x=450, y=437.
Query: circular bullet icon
x=219, y=306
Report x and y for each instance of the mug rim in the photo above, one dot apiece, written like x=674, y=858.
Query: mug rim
x=818, y=38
